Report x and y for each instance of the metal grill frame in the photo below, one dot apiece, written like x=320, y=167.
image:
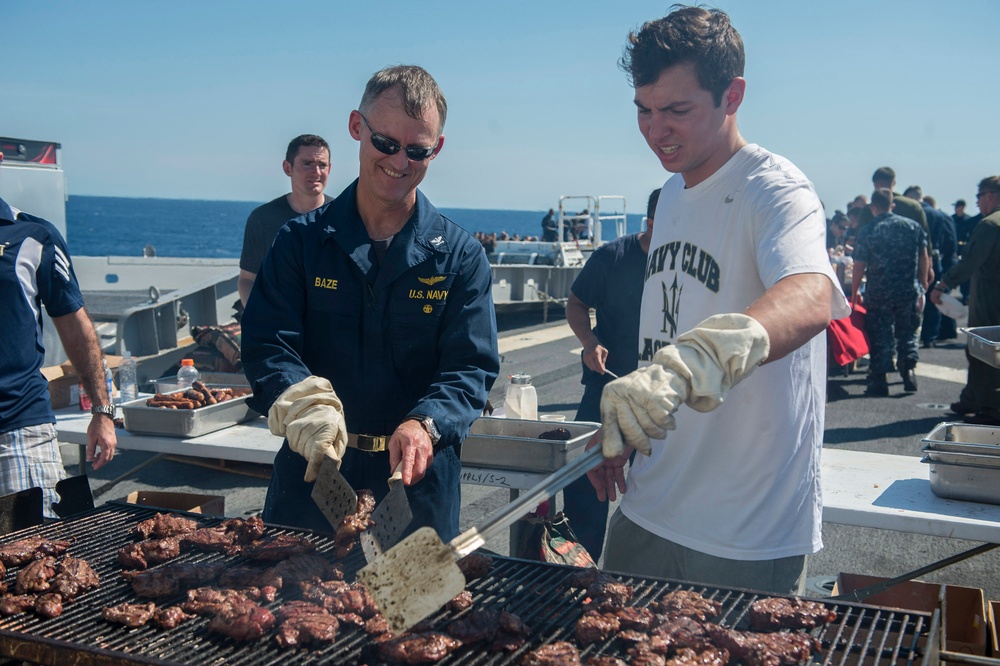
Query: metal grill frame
x=539, y=593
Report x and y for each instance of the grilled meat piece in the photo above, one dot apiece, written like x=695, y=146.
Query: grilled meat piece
x=687, y=603
x=297, y=609
x=244, y=530
x=131, y=615
x=150, y=552
x=36, y=576
x=559, y=653
x=422, y=648
x=681, y=632
x=307, y=567
x=209, y=540
x=610, y=595
x=277, y=548
x=12, y=604
x=164, y=525
x=460, y=602
x=642, y=654
x=512, y=633
x=475, y=565
x=213, y=600
x=769, y=649
x=779, y=613
x=708, y=657
x=49, y=605
x=350, y=619
x=634, y=618
x=377, y=625
x=340, y=597
x=476, y=625
x=170, y=579
x=354, y=524
x=244, y=575
x=243, y=622
x=558, y=435
x=24, y=550
x=586, y=577
x=170, y=617
x=605, y=660
x=594, y=627
x=74, y=576
x=318, y=628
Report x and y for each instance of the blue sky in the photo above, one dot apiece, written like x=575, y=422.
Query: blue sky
x=199, y=99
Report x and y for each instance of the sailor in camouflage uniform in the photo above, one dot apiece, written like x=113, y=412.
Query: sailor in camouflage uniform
x=891, y=253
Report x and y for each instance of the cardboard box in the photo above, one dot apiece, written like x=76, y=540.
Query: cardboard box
x=209, y=505
x=64, y=383
x=994, y=629
x=965, y=607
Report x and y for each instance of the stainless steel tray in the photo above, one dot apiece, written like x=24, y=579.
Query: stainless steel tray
x=144, y=420
x=964, y=438
x=514, y=444
x=964, y=482
x=979, y=460
x=984, y=343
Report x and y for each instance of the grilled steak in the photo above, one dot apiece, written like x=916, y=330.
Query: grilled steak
x=36, y=577
x=170, y=617
x=244, y=530
x=423, y=648
x=594, y=627
x=687, y=603
x=251, y=576
x=340, y=597
x=377, y=625
x=605, y=660
x=610, y=595
x=245, y=621
x=474, y=626
x=475, y=565
x=164, y=525
x=12, y=604
x=170, y=579
x=213, y=601
x=770, y=649
x=277, y=548
x=49, y=605
x=74, y=576
x=512, y=633
x=307, y=630
x=24, y=550
x=707, y=657
x=307, y=567
x=778, y=613
x=681, y=632
x=638, y=619
x=642, y=654
x=131, y=615
x=558, y=435
x=354, y=524
x=209, y=540
x=150, y=552
x=559, y=653
x=460, y=602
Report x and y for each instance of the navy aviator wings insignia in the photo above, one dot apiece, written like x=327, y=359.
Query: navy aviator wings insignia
x=431, y=281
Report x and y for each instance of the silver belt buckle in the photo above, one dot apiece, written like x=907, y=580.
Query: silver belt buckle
x=372, y=443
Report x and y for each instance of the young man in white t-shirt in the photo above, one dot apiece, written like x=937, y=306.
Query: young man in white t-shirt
x=738, y=277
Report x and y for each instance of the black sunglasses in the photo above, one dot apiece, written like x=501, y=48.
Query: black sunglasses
x=384, y=144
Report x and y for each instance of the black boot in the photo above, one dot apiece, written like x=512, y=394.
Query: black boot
x=877, y=387
x=909, y=380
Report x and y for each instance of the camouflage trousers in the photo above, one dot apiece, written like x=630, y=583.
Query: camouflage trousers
x=892, y=324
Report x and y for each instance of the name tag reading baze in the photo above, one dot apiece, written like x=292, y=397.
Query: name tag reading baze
x=326, y=283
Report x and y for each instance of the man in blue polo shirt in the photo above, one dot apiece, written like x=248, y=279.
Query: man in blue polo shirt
x=35, y=270
x=370, y=335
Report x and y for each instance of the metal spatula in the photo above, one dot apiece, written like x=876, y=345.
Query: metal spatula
x=333, y=494
x=418, y=575
x=391, y=518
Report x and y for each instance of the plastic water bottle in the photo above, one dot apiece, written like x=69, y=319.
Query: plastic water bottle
x=109, y=381
x=128, y=385
x=188, y=374
x=521, y=402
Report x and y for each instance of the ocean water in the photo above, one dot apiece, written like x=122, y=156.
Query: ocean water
x=101, y=226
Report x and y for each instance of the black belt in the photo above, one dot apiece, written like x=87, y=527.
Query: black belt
x=368, y=443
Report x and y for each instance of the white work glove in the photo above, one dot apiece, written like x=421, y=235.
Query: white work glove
x=311, y=417
x=698, y=370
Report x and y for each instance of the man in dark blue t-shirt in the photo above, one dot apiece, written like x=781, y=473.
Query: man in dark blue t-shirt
x=611, y=284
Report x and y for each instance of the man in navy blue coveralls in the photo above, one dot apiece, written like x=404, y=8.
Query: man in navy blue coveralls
x=382, y=298
x=611, y=283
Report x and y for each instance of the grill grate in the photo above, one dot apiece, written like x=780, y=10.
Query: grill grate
x=538, y=593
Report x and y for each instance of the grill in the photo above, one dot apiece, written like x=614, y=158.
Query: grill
x=538, y=593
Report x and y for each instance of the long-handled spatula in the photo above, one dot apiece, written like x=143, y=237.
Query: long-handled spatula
x=333, y=494
x=390, y=519
x=418, y=575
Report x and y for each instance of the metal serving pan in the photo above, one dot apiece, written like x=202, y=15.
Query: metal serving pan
x=144, y=420
x=984, y=343
x=964, y=438
x=514, y=444
x=980, y=460
x=169, y=383
x=964, y=482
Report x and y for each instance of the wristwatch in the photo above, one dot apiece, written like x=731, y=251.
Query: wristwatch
x=428, y=425
x=107, y=410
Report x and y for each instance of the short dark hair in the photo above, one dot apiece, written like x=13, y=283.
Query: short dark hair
x=654, y=197
x=990, y=184
x=417, y=87
x=915, y=192
x=304, y=140
x=882, y=199
x=702, y=37
x=884, y=175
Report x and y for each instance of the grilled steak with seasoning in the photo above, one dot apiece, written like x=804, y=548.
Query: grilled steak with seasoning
x=638, y=619
x=605, y=660
x=12, y=604
x=243, y=622
x=148, y=553
x=74, y=576
x=36, y=577
x=425, y=648
x=213, y=600
x=475, y=626
x=778, y=613
x=340, y=597
x=610, y=595
x=131, y=615
x=642, y=654
x=303, y=623
x=354, y=524
x=708, y=657
x=244, y=530
x=680, y=632
x=277, y=548
x=475, y=565
x=512, y=633
x=49, y=605
x=594, y=627
x=764, y=649
x=170, y=617
x=20, y=552
x=560, y=653
x=460, y=602
x=377, y=625
x=687, y=603
x=209, y=540
x=164, y=525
